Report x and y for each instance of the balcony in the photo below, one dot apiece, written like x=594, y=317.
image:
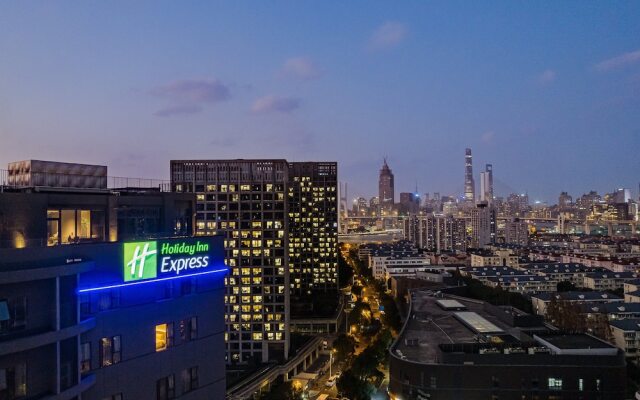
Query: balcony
x=31, y=339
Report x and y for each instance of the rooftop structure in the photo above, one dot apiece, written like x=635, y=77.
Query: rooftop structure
x=444, y=353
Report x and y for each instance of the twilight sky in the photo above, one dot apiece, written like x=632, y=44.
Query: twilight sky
x=549, y=92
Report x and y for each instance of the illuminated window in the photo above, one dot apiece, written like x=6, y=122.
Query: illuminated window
x=164, y=336
x=85, y=357
x=555, y=384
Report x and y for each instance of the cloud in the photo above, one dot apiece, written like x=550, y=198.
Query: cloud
x=190, y=95
x=388, y=35
x=301, y=68
x=180, y=109
x=547, y=77
x=194, y=91
x=487, y=137
x=274, y=103
x=618, y=62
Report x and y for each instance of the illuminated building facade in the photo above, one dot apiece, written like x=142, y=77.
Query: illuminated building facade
x=84, y=321
x=246, y=202
x=77, y=320
x=313, y=227
x=469, y=183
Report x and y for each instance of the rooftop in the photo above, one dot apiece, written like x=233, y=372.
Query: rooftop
x=575, y=341
x=430, y=325
x=628, y=324
x=578, y=296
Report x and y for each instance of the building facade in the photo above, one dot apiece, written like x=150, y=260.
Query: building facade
x=469, y=183
x=75, y=322
x=386, y=187
x=245, y=201
x=313, y=227
x=279, y=220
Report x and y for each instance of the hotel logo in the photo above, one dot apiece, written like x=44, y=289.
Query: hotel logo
x=140, y=260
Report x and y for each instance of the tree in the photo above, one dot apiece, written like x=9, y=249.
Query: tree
x=351, y=386
x=345, y=271
x=565, y=286
x=345, y=346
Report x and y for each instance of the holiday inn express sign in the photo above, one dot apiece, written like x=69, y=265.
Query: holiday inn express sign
x=148, y=261
x=154, y=259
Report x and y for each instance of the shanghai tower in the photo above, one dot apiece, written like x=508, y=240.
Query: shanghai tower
x=469, y=184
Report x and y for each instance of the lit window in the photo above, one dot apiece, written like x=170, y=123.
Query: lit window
x=555, y=384
x=164, y=336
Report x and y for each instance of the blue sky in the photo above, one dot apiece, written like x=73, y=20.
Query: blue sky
x=549, y=92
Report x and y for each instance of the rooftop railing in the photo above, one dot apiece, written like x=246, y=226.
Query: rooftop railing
x=77, y=181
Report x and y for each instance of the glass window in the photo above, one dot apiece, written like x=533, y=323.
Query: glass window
x=53, y=232
x=164, y=336
x=83, y=228
x=110, y=351
x=13, y=382
x=68, y=226
x=85, y=357
x=189, y=379
x=555, y=384
x=165, y=388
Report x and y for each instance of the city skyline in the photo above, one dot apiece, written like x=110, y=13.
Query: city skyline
x=556, y=86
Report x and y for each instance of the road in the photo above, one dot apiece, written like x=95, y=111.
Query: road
x=370, y=297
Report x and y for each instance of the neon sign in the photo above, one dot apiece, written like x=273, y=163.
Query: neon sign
x=165, y=259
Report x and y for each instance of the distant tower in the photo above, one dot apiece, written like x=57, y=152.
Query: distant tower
x=386, y=187
x=486, y=184
x=469, y=184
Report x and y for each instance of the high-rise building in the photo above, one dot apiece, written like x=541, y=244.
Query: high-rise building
x=516, y=231
x=486, y=184
x=621, y=195
x=313, y=227
x=84, y=315
x=469, y=184
x=409, y=203
x=280, y=223
x=483, y=225
x=386, y=192
x=246, y=202
x=439, y=233
x=360, y=207
x=565, y=201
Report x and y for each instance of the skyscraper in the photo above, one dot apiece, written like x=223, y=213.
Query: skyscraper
x=486, y=184
x=469, y=184
x=246, y=202
x=280, y=223
x=483, y=225
x=313, y=227
x=386, y=192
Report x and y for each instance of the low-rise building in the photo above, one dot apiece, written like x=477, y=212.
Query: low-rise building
x=456, y=348
x=541, y=301
x=607, y=280
x=523, y=284
x=485, y=258
x=626, y=335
